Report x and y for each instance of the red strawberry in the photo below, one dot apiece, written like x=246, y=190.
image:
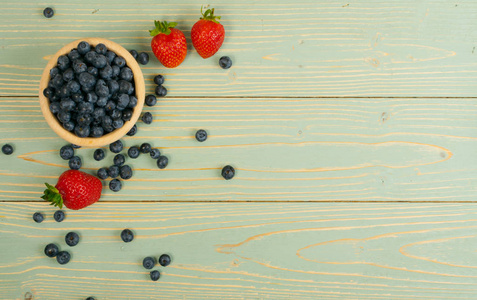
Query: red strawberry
x=207, y=34
x=168, y=44
x=74, y=189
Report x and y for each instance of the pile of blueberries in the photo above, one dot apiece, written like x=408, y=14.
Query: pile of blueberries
x=91, y=91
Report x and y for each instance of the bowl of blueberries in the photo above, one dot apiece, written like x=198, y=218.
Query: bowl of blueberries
x=92, y=92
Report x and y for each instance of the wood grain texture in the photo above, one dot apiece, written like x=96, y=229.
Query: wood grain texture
x=279, y=48
x=283, y=149
x=244, y=251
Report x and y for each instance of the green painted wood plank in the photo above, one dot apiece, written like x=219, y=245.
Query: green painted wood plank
x=418, y=149
x=244, y=251
x=279, y=48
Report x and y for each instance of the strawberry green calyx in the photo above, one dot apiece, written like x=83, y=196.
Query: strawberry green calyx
x=162, y=27
x=52, y=195
x=209, y=15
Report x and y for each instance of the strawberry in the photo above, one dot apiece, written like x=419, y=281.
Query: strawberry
x=207, y=34
x=168, y=44
x=74, y=189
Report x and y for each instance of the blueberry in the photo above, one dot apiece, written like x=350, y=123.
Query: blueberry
x=228, y=172
x=155, y=275
x=86, y=80
x=143, y=58
x=225, y=62
x=59, y=215
x=83, y=47
x=97, y=131
x=161, y=91
x=63, y=257
x=54, y=98
x=98, y=154
x=201, y=135
x=116, y=147
x=63, y=92
x=100, y=61
x=106, y=72
x=73, y=55
x=73, y=87
x=127, y=235
x=115, y=185
x=90, y=56
x=79, y=66
x=151, y=100
x=113, y=171
x=147, y=118
x=119, y=160
x=125, y=172
x=162, y=162
x=91, y=97
x=101, y=89
x=106, y=121
x=38, y=217
x=155, y=153
x=68, y=74
x=72, y=239
x=132, y=101
x=90, y=298
x=75, y=146
x=98, y=113
x=132, y=131
x=110, y=55
x=67, y=152
x=57, y=81
x=127, y=114
x=159, y=79
x=126, y=74
x=51, y=250
x=63, y=62
x=145, y=148
x=116, y=70
x=67, y=104
x=133, y=53
x=93, y=71
x=125, y=87
x=164, y=260
x=102, y=101
x=115, y=114
x=110, y=106
x=103, y=173
x=82, y=132
x=69, y=126
x=118, y=123
x=123, y=100
x=7, y=149
x=84, y=119
x=85, y=107
x=48, y=12
x=55, y=107
x=119, y=61
x=54, y=71
x=63, y=116
x=133, y=152
x=75, y=162
x=101, y=49
x=148, y=262
x=113, y=85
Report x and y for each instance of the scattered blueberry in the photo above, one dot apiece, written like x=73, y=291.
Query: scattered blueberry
x=59, y=215
x=201, y=135
x=228, y=172
x=162, y=162
x=148, y=262
x=113, y=171
x=155, y=275
x=38, y=217
x=116, y=147
x=125, y=172
x=151, y=100
x=127, y=235
x=161, y=91
x=133, y=152
x=143, y=58
x=51, y=250
x=133, y=53
x=98, y=154
x=119, y=160
x=48, y=12
x=164, y=260
x=159, y=79
x=132, y=131
x=63, y=257
x=75, y=163
x=115, y=185
x=147, y=118
x=155, y=153
x=103, y=173
x=225, y=62
x=72, y=239
x=90, y=298
x=67, y=152
x=145, y=148
x=7, y=149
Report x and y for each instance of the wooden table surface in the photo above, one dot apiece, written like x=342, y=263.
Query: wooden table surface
x=352, y=126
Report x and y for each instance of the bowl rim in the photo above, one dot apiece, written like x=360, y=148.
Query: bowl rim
x=108, y=138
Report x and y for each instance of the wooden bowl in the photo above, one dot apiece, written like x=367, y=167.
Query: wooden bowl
x=109, y=137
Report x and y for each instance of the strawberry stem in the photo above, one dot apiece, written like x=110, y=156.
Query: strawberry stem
x=162, y=27
x=51, y=194
x=209, y=15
